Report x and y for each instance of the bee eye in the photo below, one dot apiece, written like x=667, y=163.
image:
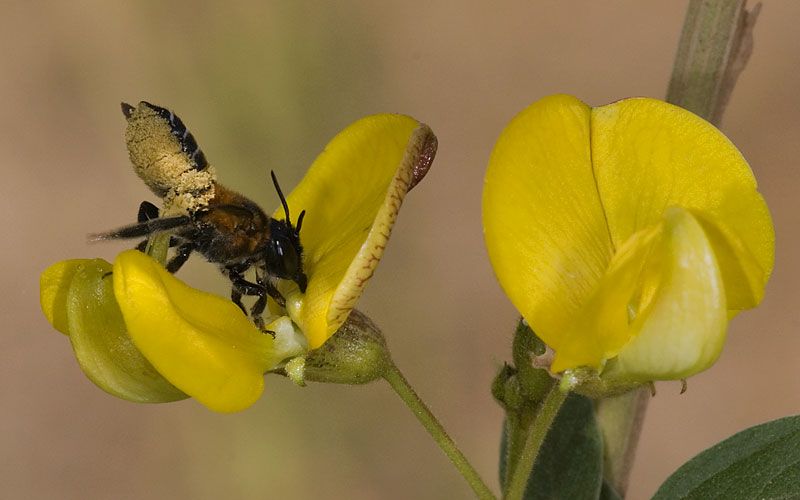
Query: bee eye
x=283, y=258
x=283, y=254
x=279, y=245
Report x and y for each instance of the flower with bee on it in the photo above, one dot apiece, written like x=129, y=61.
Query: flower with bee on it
x=196, y=344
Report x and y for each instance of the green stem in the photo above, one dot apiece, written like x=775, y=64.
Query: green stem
x=439, y=434
x=620, y=419
x=538, y=431
x=716, y=42
x=158, y=247
x=532, y=385
x=518, y=424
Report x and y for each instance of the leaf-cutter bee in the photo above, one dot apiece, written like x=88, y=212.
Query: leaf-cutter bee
x=205, y=217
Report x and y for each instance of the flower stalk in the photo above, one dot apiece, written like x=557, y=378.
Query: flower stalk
x=538, y=431
x=158, y=247
x=357, y=354
x=404, y=390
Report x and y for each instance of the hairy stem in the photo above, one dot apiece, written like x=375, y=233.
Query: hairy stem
x=537, y=433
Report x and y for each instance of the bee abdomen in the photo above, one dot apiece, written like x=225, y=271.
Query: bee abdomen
x=167, y=158
x=184, y=137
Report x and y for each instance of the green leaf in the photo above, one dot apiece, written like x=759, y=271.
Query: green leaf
x=761, y=462
x=570, y=463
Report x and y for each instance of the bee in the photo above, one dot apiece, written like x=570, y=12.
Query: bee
x=204, y=216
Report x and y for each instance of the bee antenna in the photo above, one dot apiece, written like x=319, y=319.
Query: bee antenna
x=300, y=221
x=280, y=195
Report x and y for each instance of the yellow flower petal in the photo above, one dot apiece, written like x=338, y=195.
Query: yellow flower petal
x=601, y=327
x=54, y=284
x=649, y=155
x=352, y=194
x=660, y=308
x=101, y=343
x=680, y=331
x=543, y=222
x=200, y=342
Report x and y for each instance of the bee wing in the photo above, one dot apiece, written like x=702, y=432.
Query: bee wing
x=144, y=228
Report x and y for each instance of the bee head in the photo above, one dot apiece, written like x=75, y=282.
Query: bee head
x=284, y=252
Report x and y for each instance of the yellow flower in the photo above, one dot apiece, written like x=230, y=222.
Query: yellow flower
x=352, y=194
x=143, y=335
x=626, y=235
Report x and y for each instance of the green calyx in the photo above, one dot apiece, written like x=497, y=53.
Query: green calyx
x=355, y=354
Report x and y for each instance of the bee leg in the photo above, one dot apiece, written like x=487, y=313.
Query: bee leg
x=275, y=294
x=236, y=298
x=180, y=258
x=242, y=286
x=255, y=313
x=258, y=308
x=147, y=211
x=259, y=322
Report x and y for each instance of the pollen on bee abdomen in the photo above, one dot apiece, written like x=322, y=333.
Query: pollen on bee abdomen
x=160, y=160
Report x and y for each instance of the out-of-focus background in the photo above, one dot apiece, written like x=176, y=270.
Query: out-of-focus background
x=264, y=85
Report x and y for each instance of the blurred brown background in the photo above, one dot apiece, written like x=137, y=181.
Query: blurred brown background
x=264, y=86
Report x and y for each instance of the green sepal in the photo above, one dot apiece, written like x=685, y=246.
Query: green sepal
x=355, y=354
x=533, y=382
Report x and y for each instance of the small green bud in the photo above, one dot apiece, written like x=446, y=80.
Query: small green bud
x=533, y=381
x=526, y=340
x=499, y=383
x=355, y=354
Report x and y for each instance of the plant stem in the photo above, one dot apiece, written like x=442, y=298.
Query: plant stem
x=518, y=424
x=620, y=420
x=158, y=247
x=538, y=431
x=439, y=434
x=715, y=44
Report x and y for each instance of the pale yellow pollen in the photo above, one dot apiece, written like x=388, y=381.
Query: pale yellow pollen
x=159, y=161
